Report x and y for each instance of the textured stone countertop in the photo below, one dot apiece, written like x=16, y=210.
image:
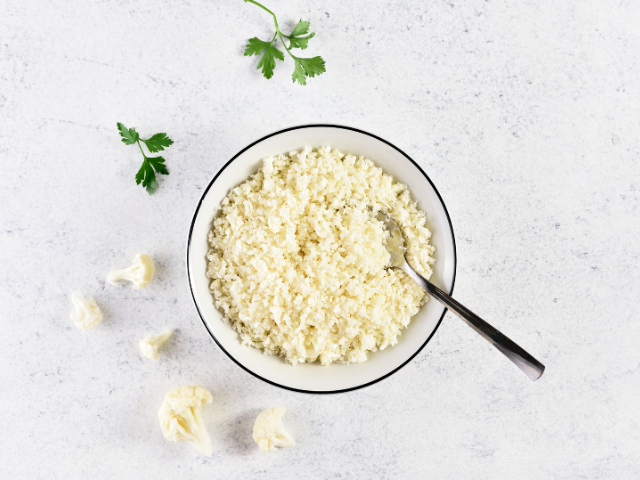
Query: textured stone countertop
x=526, y=116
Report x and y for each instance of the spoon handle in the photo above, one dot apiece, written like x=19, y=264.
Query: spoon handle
x=510, y=349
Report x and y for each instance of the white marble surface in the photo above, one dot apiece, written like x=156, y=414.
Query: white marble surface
x=526, y=115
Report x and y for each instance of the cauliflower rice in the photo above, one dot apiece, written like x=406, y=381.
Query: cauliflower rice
x=297, y=259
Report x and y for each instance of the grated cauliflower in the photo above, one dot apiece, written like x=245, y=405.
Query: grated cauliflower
x=269, y=432
x=297, y=259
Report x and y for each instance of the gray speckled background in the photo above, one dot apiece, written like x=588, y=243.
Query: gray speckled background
x=526, y=115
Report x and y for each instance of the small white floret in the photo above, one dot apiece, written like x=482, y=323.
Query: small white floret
x=87, y=314
x=180, y=417
x=140, y=273
x=150, y=344
x=269, y=432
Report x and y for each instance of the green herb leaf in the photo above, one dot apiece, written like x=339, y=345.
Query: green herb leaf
x=129, y=135
x=152, y=184
x=301, y=29
x=158, y=142
x=146, y=175
x=307, y=67
x=255, y=47
x=300, y=42
x=299, y=74
x=299, y=38
x=158, y=164
x=140, y=174
x=268, y=60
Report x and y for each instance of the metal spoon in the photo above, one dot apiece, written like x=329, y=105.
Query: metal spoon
x=524, y=361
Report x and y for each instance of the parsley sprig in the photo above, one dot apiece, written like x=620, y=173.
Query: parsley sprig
x=299, y=38
x=150, y=165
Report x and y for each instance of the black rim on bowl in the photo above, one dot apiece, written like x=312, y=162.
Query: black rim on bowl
x=195, y=214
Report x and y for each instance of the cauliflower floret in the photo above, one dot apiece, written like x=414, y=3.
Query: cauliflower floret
x=150, y=344
x=140, y=273
x=180, y=417
x=87, y=314
x=269, y=432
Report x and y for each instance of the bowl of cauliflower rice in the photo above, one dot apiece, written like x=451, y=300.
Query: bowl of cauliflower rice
x=287, y=262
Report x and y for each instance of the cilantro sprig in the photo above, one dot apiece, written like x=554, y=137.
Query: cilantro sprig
x=150, y=165
x=299, y=38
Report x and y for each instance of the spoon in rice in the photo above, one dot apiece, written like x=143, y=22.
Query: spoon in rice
x=395, y=247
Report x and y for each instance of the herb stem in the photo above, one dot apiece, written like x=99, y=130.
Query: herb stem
x=140, y=147
x=264, y=8
x=285, y=45
x=278, y=32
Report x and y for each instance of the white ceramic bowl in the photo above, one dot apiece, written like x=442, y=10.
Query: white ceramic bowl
x=314, y=378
